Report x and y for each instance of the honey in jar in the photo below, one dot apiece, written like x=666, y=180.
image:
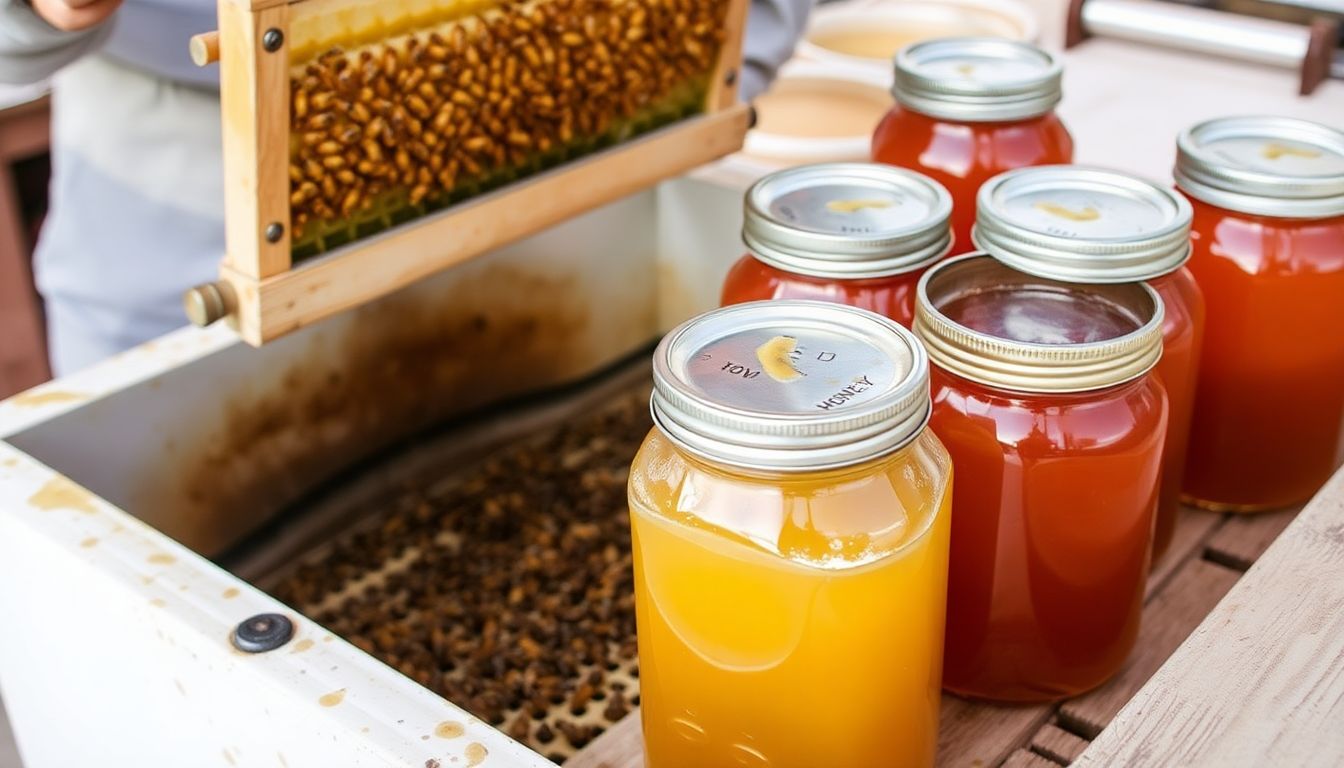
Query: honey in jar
x=1043, y=394
x=790, y=521
x=968, y=109
x=854, y=233
x=1093, y=225
x=1268, y=234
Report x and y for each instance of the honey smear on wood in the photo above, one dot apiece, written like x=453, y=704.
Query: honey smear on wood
x=466, y=98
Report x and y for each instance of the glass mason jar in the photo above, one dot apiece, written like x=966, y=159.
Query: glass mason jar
x=852, y=233
x=789, y=514
x=1092, y=225
x=1043, y=395
x=968, y=109
x=1268, y=197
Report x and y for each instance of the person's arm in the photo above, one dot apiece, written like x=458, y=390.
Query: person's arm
x=38, y=39
x=773, y=29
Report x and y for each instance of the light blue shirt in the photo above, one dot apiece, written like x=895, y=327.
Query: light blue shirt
x=136, y=211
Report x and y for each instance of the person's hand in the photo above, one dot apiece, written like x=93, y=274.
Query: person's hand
x=74, y=15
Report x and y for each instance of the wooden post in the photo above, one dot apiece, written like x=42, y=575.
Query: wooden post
x=254, y=102
x=728, y=72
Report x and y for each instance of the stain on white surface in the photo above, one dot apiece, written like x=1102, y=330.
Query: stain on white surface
x=60, y=493
x=47, y=397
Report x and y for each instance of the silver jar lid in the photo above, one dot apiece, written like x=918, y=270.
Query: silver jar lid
x=1267, y=166
x=1083, y=225
x=790, y=386
x=977, y=79
x=1044, y=362
x=847, y=220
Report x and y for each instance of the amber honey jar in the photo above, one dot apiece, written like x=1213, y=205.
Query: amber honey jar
x=1094, y=225
x=853, y=233
x=1044, y=395
x=968, y=109
x=790, y=520
x=1268, y=236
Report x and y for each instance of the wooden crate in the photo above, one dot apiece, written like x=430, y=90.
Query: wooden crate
x=265, y=293
x=1207, y=559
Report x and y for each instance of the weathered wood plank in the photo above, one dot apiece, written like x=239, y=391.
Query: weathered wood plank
x=975, y=734
x=1171, y=616
x=1194, y=527
x=1244, y=538
x=1057, y=744
x=620, y=746
x=1024, y=759
x=1261, y=682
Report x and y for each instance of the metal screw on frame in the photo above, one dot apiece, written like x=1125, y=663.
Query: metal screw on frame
x=263, y=632
x=272, y=39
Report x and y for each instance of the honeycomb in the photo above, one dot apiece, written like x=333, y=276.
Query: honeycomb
x=408, y=118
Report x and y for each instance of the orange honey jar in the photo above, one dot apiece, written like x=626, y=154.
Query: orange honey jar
x=1044, y=396
x=1268, y=235
x=968, y=109
x=790, y=522
x=854, y=233
x=1094, y=225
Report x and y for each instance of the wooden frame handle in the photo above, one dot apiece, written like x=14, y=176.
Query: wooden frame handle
x=204, y=48
x=209, y=303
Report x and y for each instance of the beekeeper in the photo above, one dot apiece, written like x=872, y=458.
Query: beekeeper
x=136, y=211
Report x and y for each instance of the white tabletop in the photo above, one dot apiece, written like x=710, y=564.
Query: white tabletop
x=1124, y=102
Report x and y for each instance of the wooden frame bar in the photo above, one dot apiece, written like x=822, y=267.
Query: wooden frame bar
x=349, y=277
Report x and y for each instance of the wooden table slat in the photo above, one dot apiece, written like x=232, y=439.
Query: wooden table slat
x=1171, y=617
x=1024, y=759
x=1244, y=538
x=1194, y=527
x=1058, y=744
x=972, y=733
x=620, y=746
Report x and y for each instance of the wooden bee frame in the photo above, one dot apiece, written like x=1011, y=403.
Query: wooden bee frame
x=262, y=290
